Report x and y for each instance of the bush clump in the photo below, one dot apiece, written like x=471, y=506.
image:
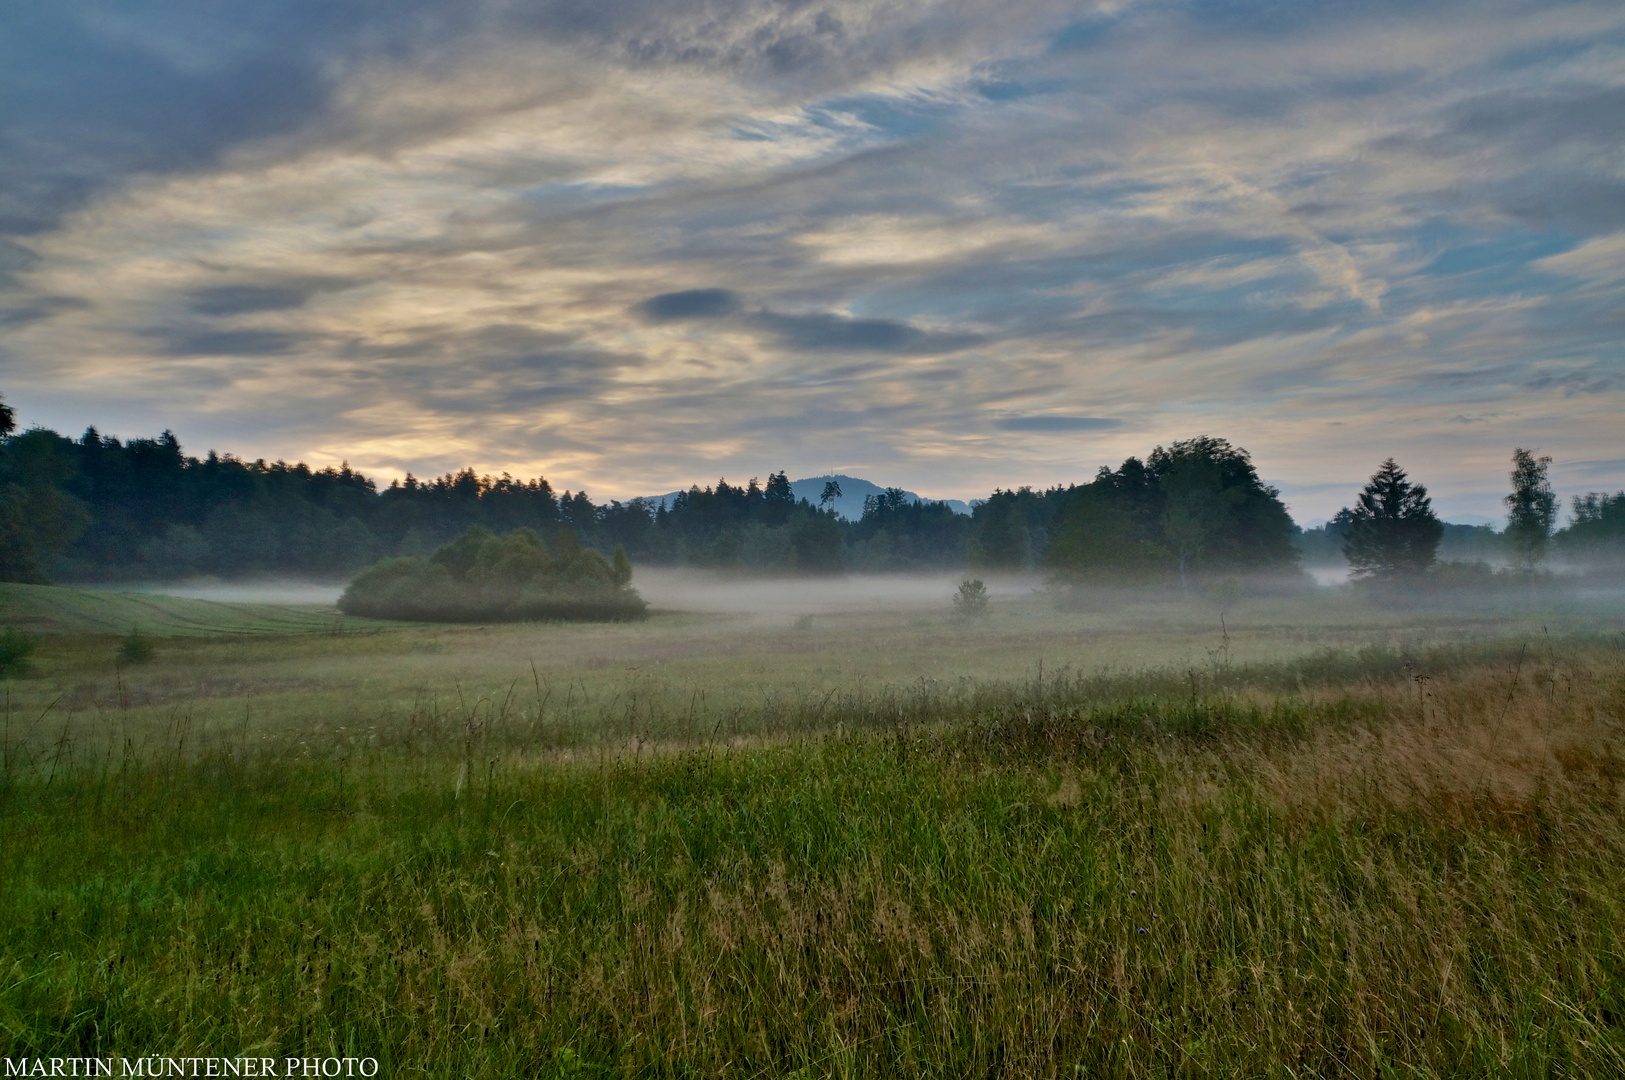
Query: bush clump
x=480, y=577
x=15, y=649
x=970, y=602
x=137, y=647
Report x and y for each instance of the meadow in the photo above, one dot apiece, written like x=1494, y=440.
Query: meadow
x=824, y=830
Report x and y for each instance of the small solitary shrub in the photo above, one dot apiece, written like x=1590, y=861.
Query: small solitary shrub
x=15, y=649
x=137, y=647
x=971, y=599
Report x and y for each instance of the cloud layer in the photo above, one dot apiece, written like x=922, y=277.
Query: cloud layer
x=946, y=245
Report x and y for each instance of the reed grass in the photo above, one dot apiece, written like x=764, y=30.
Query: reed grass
x=1344, y=865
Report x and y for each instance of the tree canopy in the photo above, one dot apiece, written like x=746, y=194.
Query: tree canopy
x=1195, y=508
x=483, y=577
x=1531, y=509
x=1391, y=532
x=97, y=508
x=1596, y=530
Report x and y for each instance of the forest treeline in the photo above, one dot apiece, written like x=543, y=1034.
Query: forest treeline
x=97, y=508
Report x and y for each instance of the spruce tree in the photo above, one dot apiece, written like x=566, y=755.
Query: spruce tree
x=1391, y=531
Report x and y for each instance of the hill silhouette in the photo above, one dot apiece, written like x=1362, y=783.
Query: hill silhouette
x=854, y=490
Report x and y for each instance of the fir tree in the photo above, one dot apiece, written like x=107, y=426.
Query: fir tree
x=1391, y=530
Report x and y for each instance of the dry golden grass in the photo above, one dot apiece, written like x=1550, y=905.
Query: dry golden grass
x=1510, y=741
x=1335, y=865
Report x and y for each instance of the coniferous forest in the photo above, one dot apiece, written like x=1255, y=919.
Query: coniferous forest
x=97, y=508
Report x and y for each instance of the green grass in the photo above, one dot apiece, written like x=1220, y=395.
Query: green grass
x=1402, y=855
x=49, y=609
x=1117, y=888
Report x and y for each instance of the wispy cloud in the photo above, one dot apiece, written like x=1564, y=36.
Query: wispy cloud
x=950, y=244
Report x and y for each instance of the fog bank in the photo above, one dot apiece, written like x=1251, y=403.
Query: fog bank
x=299, y=593
x=692, y=590
x=679, y=590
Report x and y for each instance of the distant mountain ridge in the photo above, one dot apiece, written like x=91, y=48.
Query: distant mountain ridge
x=854, y=490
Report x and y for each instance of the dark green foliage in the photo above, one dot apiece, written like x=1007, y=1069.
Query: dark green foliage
x=1001, y=534
x=459, y=556
x=1218, y=514
x=137, y=647
x=1531, y=509
x=38, y=518
x=480, y=577
x=1103, y=539
x=15, y=646
x=778, y=494
x=724, y=527
x=1197, y=507
x=816, y=545
x=896, y=532
x=1391, y=532
x=1457, y=543
x=971, y=600
x=180, y=552
x=1470, y=543
x=97, y=508
x=1596, y=535
x=151, y=511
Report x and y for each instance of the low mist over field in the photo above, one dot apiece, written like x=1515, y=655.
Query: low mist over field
x=812, y=539
x=684, y=590
x=296, y=593
x=772, y=803
x=681, y=590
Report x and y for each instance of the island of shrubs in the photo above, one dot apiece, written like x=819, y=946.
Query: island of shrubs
x=481, y=577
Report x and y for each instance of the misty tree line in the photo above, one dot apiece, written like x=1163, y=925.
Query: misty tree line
x=98, y=509
x=1392, y=534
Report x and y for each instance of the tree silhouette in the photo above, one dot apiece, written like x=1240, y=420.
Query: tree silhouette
x=1196, y=505
x=1391, y=530
x=816, y=546
x=1222, y=516
x=1001, y=538
x=1531, y=509
x=971, y=599
x=1596, y=532
x=832, y=491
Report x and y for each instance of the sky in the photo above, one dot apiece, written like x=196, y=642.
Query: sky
x=942, y=244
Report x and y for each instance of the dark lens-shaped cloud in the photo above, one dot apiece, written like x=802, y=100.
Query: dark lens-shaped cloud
x=689, y=304
x=817, y=332
x=42, y=307
x=282, y=295
x=239, y=299
x=90, y=103
x=1057, y=423
x=839, y=333
x=230, y=343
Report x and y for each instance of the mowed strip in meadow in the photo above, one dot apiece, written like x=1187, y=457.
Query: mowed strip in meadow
x=47, y=609
x=1246, y=854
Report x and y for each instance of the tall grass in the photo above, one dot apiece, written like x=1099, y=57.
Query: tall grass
x=1361, y=866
